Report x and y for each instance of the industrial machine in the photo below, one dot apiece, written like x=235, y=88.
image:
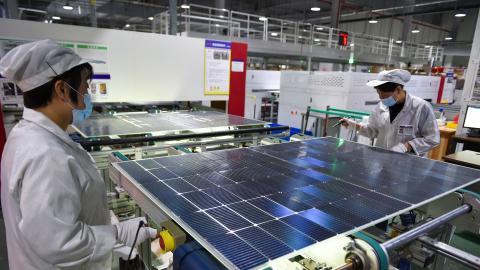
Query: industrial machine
x=314, y=204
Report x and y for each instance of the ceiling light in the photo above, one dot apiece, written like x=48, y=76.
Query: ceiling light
x=319, y=28
x=67, y=7
x=353, y=44
x=185, y=6
x=448, y=38
x=150, y=18
x=427, y=46
x=316, y=39
x=416, y=31
x=398, y=41
x=300, y=36
x=224, y=9
x=315, y=9
x=373, y=21
x=221, y=16
x=56, y=18
x=460, y=14
x=217, y=25
x=274, y=34
x=262, y=19
x=127, y=25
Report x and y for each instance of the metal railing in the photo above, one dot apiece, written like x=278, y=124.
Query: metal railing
x=214, y=21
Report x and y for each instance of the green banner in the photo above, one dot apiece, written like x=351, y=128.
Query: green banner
x=95, y=47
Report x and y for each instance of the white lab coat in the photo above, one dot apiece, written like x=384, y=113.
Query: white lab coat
x=53, y=199
x=416, y=121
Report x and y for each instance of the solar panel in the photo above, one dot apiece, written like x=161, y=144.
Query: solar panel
x=252, y=205
x=138, y=123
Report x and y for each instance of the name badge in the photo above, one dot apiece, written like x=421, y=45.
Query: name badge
x=406, y=130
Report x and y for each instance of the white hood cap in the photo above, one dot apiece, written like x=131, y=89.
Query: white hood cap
x=26, y=65
x=399, y=76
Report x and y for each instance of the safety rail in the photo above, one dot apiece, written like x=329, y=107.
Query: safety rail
x=223, y=22
x=332, y=111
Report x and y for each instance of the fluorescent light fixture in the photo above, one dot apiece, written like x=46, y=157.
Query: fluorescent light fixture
x=185, y=6
x=315, y=9
x=373, y=21
x=448, y=38
x=127, y=25
x=415, y=31
x=460, y=14
x=217, y=25
x=398, y=41
x=150, y=18
x=316, y=39
x=300, y=37
x=319, y=28
x=56, y=18
x=427, y=46
x=262, y=19
x=67, y=7
x=274, y=34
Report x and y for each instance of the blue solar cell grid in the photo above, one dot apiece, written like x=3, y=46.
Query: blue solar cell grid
x=257, y=204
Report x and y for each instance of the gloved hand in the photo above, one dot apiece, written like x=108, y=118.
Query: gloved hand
x=346, y=122
x=126, y=231
x=400, y=148
x=123, y=251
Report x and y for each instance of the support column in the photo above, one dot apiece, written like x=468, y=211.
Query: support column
x=335, y=13
x=220, y=4
x=471, y=76
x=93, y=13
x=173, y=17
x=407, y=22
x=11, y=8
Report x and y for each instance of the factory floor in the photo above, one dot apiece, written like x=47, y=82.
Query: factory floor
x=3, y=244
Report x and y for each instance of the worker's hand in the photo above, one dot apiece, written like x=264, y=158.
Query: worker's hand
x=400, y=148
x=346, y=122
x=122, y=251
x=126, y=231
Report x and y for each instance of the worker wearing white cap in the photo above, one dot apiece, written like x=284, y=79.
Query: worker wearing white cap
x=401, y=122
x=53, y=197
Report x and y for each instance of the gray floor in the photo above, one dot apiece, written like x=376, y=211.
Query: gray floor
x=3, y=244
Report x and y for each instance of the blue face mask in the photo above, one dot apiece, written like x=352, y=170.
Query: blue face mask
x=80, y=115
x=389, y=102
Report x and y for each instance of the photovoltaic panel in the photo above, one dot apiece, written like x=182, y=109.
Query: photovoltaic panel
x=250, y=205
x=140, y=123
x=163, y=174
x=266, y=244
x=227, y=217
x=288, y=235
x=250, y=212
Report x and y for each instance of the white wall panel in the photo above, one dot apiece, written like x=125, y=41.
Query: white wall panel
x=144, y=67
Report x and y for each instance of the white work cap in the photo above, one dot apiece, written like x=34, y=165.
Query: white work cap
x=26, y=65
x=399, y=76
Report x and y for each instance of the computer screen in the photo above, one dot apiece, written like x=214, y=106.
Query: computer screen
x=472, y=117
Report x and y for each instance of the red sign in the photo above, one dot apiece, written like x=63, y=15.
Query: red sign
x=343, y=38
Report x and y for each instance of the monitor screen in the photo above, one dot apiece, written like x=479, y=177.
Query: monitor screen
x=472, y=117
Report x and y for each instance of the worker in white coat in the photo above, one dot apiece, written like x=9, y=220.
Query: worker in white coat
x=401, y=122
x=53, y=198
